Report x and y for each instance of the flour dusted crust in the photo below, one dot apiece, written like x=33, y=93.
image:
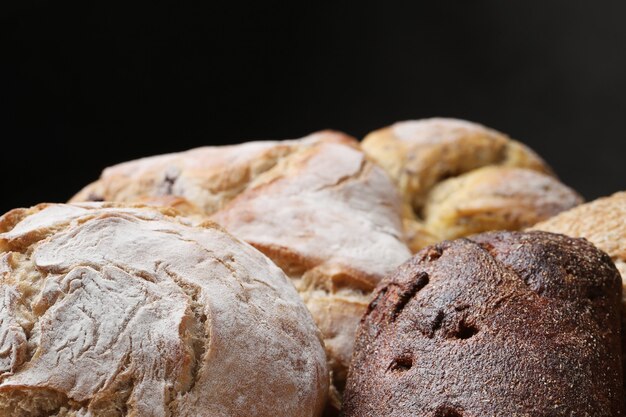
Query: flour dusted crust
x=494, y=198
x=206, y=177
x=460, y=178
x=330, y=218
x=129, y=311
x=500, y=324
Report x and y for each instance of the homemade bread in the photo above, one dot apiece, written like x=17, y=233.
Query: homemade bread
x=130, y=311
x=459, y=178
x=500, y=324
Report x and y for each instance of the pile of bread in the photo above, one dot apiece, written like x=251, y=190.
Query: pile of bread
x=436, y=268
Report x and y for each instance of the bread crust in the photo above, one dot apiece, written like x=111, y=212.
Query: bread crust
x=323, y=212
x=503, y=323
x=331, y=220
x=207, y=177
x=130, y=311
x=459, y=178
x=602, y=222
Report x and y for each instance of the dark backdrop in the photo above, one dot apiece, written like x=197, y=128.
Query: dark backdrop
x=91, y=83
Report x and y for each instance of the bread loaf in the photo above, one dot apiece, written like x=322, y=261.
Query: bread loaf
x=130, y=311
x=500, y=324
x=460, y=178
x=330, y=218
x=207, y=177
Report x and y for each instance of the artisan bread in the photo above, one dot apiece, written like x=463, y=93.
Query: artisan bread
x=207, y=177
x=130, y=311
x=603, y=223
x=330, y=218
x=459, y=178
x=500, y=324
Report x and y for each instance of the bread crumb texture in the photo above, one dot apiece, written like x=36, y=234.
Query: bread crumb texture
x=128, y=311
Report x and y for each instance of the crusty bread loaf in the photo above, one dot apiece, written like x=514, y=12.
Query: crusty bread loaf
x=208, y=177
x=129, y=311
x=500, y=324
x=603, y=223
x=331, y=219
x=460, y=178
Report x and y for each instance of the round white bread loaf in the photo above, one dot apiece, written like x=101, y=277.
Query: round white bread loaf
x=129, y=311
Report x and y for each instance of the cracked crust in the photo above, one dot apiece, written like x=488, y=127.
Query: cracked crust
x=330, y=218
x=503, y=323
x=207, y=177
x=460, y=178
x=129, y=311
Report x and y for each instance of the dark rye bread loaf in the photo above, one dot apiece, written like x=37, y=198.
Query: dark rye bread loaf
x=500, y=324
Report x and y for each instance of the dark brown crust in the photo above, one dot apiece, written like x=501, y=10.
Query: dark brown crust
x=501, y=324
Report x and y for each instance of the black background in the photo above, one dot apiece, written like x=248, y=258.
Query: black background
x=91, y=83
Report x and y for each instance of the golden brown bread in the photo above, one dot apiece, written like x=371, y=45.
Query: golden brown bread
x=326, y=215
x=460, y=178
x=500, y=324
x=129, y=311
x=208, y=177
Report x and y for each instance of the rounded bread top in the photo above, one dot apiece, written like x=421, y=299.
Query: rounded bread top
x=111, y=310
x=458, y=178
x=502, y=323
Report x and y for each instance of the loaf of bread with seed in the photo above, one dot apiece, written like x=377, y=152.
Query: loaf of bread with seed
x=330, y=218
x=500, y=324
x=131, y=311
x=459, y=178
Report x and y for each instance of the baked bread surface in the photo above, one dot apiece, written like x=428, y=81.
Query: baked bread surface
x=460, y=178
x=330, y=218
x=602, y=222
x=500, y=324
x=130, y=311
x=208, y=177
